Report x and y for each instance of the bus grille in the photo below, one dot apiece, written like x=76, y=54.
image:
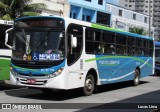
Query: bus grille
x=32, y=75
x=30, y=66
x=37, y=81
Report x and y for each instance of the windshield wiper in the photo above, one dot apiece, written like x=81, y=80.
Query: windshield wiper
x=20, y=38
x=25, y=40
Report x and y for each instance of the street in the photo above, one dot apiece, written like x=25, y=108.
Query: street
x=122, y=94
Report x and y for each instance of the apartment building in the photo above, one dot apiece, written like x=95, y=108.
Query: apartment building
x=126, y=19
x=146, y=6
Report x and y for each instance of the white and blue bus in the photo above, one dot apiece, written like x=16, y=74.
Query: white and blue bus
x=157, y=58
x=63, y=53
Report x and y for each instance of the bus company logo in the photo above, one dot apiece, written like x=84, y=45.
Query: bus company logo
x=6, y=106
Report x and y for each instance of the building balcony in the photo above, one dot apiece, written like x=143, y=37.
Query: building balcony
x=140, y=3
x=156, y=18
x=155, y=23
x=156, y=8
x=156, y=13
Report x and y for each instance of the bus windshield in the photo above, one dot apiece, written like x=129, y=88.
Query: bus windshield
x=38, y=45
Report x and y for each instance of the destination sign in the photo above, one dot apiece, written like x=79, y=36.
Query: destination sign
x=40, y=22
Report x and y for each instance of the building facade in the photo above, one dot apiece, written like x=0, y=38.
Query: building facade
x=86, y=10
x=126, y=19
x=96, y=11
x=149, y=7
x=90, y=10
x=54, y=7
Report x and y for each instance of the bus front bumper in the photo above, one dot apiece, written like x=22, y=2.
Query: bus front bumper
x=38, y=82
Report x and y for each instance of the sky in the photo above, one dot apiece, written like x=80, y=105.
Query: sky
x=113, y=1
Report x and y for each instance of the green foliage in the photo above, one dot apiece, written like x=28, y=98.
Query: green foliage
x=11, y=9
x=138, y=31
x=6, y=17
x=29, y=14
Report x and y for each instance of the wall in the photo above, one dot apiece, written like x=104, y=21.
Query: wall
x=87, y=11
x=55, y=7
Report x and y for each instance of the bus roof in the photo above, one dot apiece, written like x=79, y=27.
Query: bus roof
x=121, y=31
x=93, y=25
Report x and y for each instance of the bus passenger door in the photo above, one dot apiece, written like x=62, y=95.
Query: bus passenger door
x=74, y=51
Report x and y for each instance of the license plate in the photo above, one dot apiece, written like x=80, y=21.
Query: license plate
x=31, y=81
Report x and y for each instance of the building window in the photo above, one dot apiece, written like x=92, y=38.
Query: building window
x=103, y=18
x=100, y=2
x=83, y=17
x=88, y=0
x=130, y=6
x=88, y=18
x=74, y=15
x=145, y=19
x=134, y=16
x=120, y=12
x=70, y=15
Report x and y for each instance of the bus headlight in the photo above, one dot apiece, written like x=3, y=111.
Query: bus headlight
x=58, y=72
x=13, y=72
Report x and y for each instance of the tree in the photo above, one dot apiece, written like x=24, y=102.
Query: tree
x=11, y=9
x=138, y=31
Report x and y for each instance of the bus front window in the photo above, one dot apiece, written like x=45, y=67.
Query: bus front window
x=38, y=45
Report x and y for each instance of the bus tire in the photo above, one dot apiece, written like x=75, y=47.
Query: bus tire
x=136, y=77
x=89, y=85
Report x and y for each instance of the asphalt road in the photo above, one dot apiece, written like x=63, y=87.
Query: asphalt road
x=119, y=97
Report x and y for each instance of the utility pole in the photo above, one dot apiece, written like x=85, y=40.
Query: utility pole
x=149, y=18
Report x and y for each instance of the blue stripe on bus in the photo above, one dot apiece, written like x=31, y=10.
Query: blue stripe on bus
x=117, y=69
x=35, y=72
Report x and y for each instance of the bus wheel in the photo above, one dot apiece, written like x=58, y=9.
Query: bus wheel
x=136, y=77
x=89, y=85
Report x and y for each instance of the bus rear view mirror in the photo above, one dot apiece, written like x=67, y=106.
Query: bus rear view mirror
x=73, y=41
x=8, y=32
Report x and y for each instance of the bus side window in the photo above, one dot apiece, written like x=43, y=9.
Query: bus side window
x=93, y=41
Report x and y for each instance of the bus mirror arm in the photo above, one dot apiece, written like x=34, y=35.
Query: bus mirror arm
x=6, y=38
